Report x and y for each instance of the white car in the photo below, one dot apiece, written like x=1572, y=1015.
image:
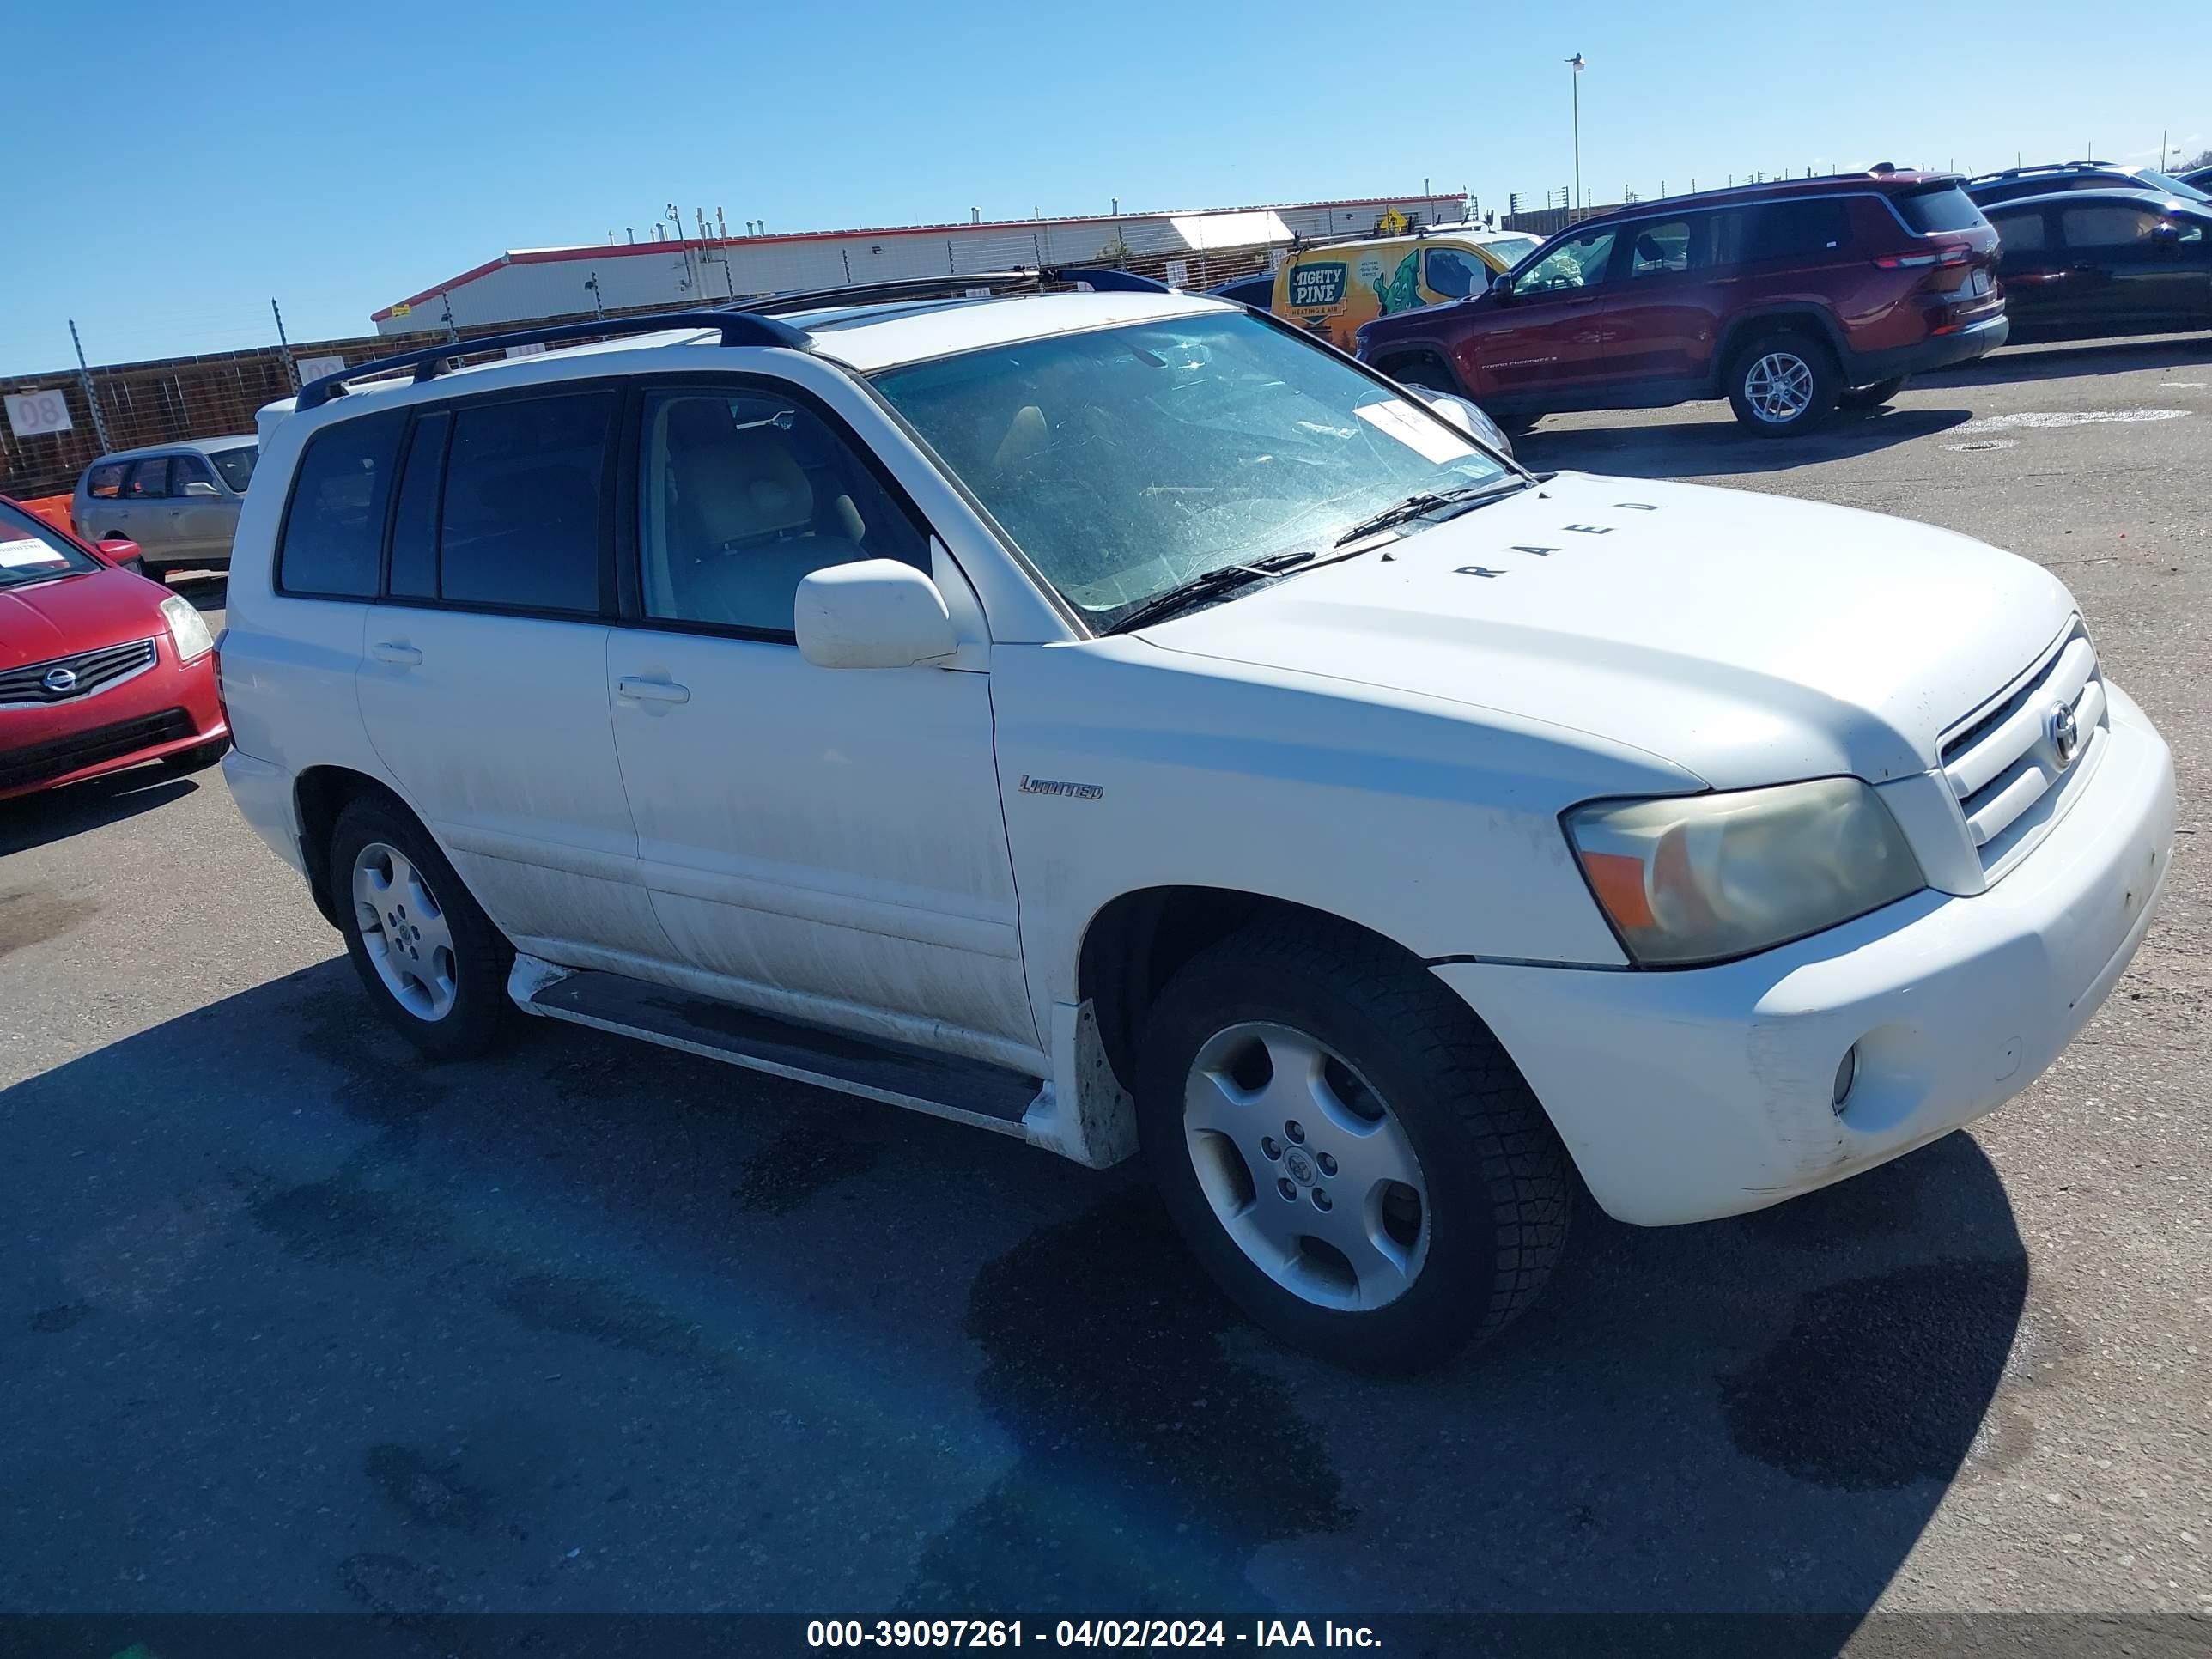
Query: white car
x=1108, y=719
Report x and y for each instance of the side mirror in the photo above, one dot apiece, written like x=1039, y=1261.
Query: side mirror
x=202, y=486
x=873, y=613
x=121, y=551
x=1501, y=288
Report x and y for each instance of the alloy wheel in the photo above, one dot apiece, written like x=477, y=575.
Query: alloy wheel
x=1779, y=387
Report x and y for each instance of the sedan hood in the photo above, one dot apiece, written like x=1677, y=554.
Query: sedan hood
x=76, y=613
x=1750, y=639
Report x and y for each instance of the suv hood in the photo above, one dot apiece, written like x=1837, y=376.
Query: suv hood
x=1751, y=639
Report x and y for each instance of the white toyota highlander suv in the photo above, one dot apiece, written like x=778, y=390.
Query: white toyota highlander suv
x=1112, y=719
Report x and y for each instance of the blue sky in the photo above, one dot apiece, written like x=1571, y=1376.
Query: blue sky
x=338, y=157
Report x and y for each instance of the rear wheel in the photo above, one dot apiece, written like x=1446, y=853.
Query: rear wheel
x=1875, y=396
x=424, y=949
x=1347, y=1149
x=1783, y=383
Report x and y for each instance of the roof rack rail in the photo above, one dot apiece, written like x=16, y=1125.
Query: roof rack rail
x=953, y=285
x=736, y=328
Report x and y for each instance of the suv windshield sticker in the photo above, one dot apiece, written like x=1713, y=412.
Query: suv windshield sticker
x=1426, y=436
x=1317, y=285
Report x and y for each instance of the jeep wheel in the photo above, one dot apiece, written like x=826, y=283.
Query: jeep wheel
x=1875, y=396
x=428, y=955
x=1347, y=1149
x=1783, y=383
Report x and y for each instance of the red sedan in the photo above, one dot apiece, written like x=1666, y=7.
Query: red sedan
x=100, y=668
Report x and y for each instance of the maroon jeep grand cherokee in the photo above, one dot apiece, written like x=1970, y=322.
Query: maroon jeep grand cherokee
x=1787, y=299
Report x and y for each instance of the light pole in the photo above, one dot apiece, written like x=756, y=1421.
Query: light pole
x=1577, y=83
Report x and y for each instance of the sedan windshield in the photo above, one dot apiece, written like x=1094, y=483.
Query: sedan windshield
x=31, y=552
x=236, y=465
x=1126, y=461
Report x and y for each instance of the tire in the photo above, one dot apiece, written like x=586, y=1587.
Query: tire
x=195, y=760
x=452, y=1006
x=1423, y=372
x=1778, y=371
x=1493, y=1188
x=1875, y=396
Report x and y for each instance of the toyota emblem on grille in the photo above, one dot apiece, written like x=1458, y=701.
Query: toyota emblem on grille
x=2065, y=735
x=58, y=680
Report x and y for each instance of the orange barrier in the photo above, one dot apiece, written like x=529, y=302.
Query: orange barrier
x=54, y=509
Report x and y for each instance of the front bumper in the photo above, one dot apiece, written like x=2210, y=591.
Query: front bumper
x=168, y=709
x=1689, y=1095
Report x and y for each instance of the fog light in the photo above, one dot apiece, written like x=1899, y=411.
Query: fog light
x=1847, y=1073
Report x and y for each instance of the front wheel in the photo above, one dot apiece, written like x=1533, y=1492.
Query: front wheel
x=427, y=955
x=1782, y=384
x=1347, y=1149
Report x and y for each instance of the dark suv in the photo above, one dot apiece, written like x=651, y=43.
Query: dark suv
x=2014, y=182
x=1787, y=299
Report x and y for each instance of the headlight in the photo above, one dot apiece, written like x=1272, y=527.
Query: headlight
x=187, y=627
x=1703, y=878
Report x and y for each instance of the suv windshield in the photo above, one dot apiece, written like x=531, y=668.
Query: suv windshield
x=1945, y=208
x=31, y=552
x=1125, y=461
x=236, y=465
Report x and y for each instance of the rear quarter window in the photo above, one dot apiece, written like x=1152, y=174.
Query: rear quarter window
x=105, y=482
x=332, y=544
x=1947, y=208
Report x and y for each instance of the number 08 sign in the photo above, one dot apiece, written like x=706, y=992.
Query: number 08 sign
x=32, y=413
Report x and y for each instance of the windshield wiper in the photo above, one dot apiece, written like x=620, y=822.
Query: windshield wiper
x=1429, y=500
x=1207, y=583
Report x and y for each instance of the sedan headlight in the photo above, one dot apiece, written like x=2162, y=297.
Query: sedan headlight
x=187, y=627
x=1699, y=879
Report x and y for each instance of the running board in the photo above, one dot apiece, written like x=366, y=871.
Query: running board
x=965, y=1090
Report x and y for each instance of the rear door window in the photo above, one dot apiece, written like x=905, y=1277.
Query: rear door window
x=519, y=526
x=333, y=539
x=1945, y=209
x=1798, y=230
x=414, y=519
x=1664, y=247
x=149, y=480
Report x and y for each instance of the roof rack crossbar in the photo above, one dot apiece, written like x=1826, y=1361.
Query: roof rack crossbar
x=736, y=328
x=953, y=285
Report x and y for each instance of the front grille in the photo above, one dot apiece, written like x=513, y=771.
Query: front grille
x=2004, y=761
x=44, y=761
x=87, y=672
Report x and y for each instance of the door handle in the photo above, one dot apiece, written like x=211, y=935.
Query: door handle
x=641, y=690
x=405, y=655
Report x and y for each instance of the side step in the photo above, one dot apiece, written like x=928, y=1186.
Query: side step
x=967, y=1090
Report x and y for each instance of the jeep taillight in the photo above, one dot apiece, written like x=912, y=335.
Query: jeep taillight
x=1956, y=254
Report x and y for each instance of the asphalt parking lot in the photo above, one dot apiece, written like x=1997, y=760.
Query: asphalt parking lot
x=292, y=1323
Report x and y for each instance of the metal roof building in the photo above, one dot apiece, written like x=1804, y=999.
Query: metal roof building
x=1199, y=248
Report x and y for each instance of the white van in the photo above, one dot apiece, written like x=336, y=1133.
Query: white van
x=1108, y=719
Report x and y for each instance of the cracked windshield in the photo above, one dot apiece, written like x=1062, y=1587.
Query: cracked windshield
x=1126, y=461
